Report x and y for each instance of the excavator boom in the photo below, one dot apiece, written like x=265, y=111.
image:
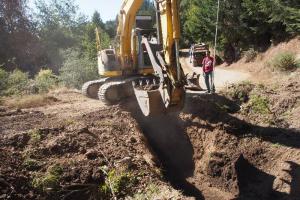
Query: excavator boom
x=126, y=69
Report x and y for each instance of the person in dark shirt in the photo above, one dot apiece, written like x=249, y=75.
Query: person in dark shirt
x=207, y=67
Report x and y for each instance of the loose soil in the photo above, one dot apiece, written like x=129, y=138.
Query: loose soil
x=215, y=149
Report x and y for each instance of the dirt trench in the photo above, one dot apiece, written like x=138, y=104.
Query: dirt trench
x=209, y=153
x=168, y=142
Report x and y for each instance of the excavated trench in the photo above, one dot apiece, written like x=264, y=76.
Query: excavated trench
x=204, y=145
x=170, y=144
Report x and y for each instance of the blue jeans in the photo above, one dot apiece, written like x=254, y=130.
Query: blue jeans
x=208, y=77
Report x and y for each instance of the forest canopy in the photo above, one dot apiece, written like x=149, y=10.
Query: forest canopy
x=44, y=38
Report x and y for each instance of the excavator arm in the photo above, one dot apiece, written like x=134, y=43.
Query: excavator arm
x=166, y=94
x=129, y=71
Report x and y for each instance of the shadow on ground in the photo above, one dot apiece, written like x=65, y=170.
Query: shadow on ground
x=219, y=109
x=166, y=137
x=169, y=141
x=256, y=184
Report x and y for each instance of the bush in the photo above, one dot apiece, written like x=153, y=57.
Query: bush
x=17, y=83
x=77, y=69
x=240, y=92
x=259, y=104
x=250, y=55
x=45, y=80
x=285, y=61
x=3, y=81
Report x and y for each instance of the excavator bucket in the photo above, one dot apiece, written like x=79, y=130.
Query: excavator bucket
x=155, y=99
x=150, y=102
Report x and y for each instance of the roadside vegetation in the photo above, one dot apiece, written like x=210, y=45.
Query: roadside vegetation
x=285, y=61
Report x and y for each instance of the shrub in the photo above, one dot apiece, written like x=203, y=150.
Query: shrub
x=285, y=61
x=17, y=83
x=3, y=81
x=45, y=80
x=240, y=92
x=77, y=69
x=259, y=104
x=250, y=55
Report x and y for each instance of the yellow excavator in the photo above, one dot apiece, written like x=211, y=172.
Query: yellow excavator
x=145, y=63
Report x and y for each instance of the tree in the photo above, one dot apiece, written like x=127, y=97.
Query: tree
x=60, y=27
x=97, y=21
x=111, y=28
x=17, y=37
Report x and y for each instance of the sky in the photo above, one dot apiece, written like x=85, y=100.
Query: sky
x=108, y=9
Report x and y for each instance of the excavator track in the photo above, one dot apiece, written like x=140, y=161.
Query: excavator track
x=90, y=89
x=115, y=90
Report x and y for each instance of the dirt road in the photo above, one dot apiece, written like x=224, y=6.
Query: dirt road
x=222, y=76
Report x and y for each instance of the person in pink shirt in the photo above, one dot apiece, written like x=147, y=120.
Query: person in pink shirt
x=207, y=67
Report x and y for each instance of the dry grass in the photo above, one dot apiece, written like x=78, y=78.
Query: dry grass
x=28, y=101
x=260, y=66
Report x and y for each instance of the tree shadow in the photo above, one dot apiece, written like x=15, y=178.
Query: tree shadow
x=217, y=109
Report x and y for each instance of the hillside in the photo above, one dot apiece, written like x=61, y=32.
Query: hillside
x=241, y=143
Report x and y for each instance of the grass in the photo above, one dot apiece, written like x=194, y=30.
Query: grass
x=116, y=183
x=28, y=101
x=31, y=164
x=49, y=180
x=35, y=136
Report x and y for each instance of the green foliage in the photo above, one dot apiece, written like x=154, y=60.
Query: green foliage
x=250, y=55
x=60, y=26
x=3, y=81
x=285, y=61
x=97, y=21
x=117, y=183
x=89, y=41
x=111, y=28
x=243, y=23
x=77, y=69
x=31, y=164
x=49, y=180
x=259, y=104
x=45, y=80
x=240, y=92
x=17, y=83
x=35, y=136
x=55, y=170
